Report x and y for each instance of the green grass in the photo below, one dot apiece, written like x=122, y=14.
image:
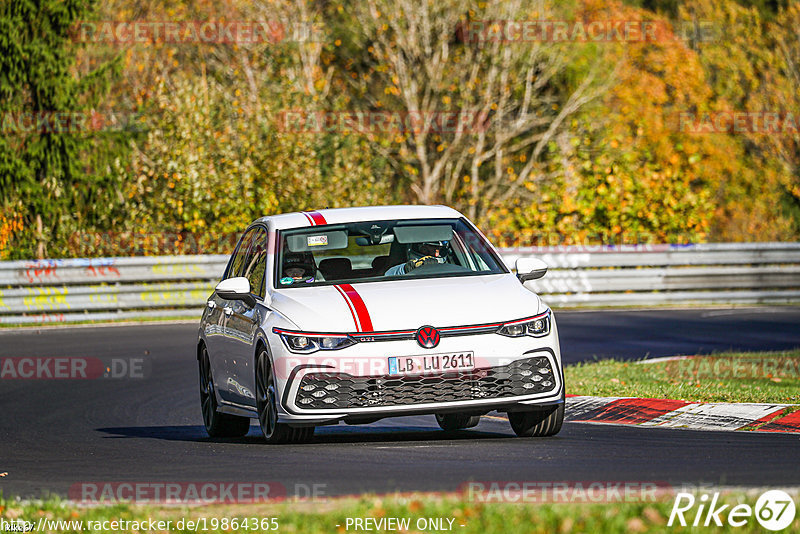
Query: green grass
x=769, y=377
x=323, y=517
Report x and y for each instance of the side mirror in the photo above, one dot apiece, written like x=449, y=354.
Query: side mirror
x=237, y=288
x=530, y=269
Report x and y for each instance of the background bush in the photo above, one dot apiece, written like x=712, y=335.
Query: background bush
x=592, y=153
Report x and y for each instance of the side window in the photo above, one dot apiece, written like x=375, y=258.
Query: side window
x=255, y=265
x=237, y=266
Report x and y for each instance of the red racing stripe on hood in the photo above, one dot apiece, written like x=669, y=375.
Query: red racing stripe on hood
x=364, y=322
x=350, y=306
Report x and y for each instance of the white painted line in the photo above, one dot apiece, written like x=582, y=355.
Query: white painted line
x=739, y=311
x=719, y=416
x=412, y=446
x=665, y=359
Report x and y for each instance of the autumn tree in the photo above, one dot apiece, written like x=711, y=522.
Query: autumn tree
x=780, y=94
x=435, y=57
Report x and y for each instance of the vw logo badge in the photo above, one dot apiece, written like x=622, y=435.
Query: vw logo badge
x=427, y=337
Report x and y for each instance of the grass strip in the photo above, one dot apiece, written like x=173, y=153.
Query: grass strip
x=332, y=516
x=762, y=377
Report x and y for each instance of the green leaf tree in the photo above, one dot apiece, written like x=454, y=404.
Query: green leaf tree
x=47, y=153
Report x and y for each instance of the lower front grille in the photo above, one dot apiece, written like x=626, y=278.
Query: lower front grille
x=336, y=390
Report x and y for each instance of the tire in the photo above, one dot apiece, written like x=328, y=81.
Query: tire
x=218, y=425
x=539, y=423
x=267, y=406
x=451, y=422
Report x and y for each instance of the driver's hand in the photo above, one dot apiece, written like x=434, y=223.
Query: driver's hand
x=413, y=264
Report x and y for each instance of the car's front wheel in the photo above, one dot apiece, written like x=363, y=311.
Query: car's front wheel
x=538, y=423
x=218, y=425
x=267, y=405
x=456, y=421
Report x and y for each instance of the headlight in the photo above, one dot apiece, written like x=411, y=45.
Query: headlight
x=536, y=326
x=305, y=343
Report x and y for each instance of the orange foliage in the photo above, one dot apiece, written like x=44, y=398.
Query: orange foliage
x=10, y=223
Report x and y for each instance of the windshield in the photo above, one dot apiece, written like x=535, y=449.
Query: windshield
x=382, y=250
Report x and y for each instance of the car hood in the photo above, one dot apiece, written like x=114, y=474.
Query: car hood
x=407, y=304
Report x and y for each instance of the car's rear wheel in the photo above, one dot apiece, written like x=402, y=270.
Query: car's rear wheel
x=538, y=423
x=456, y=421
x=267, y=405
x=218, y=425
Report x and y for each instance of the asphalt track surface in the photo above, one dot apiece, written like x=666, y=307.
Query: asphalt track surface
x=57, y=433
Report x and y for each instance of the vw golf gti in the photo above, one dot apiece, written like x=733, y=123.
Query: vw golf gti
x=356, y=314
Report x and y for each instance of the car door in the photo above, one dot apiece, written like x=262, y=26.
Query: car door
x=220, y=358
x=241, y=324
x=213, y=325
x=214, y=321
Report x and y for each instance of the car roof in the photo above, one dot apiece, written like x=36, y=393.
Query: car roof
x=344, y=215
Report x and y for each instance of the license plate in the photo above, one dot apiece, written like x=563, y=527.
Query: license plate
x=431, y=363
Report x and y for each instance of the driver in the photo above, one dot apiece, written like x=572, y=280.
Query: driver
x=419, y=254
x=298, y=267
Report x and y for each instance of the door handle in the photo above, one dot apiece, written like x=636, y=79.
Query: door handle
x=228, y=310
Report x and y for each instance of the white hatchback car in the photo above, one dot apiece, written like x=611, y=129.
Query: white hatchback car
x=357, y=314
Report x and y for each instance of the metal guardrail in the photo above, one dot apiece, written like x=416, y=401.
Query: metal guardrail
x=58, y=291
x=102, y=289
x=642, y=275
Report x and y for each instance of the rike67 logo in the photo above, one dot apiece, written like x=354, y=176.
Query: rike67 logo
x=774, y=510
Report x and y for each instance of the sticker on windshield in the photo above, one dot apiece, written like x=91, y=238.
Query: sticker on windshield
x=317, y=240
x=287, y=280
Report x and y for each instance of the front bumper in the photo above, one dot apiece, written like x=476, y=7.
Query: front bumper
x=331, y=391
x=500, y=388
x=345, y=390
